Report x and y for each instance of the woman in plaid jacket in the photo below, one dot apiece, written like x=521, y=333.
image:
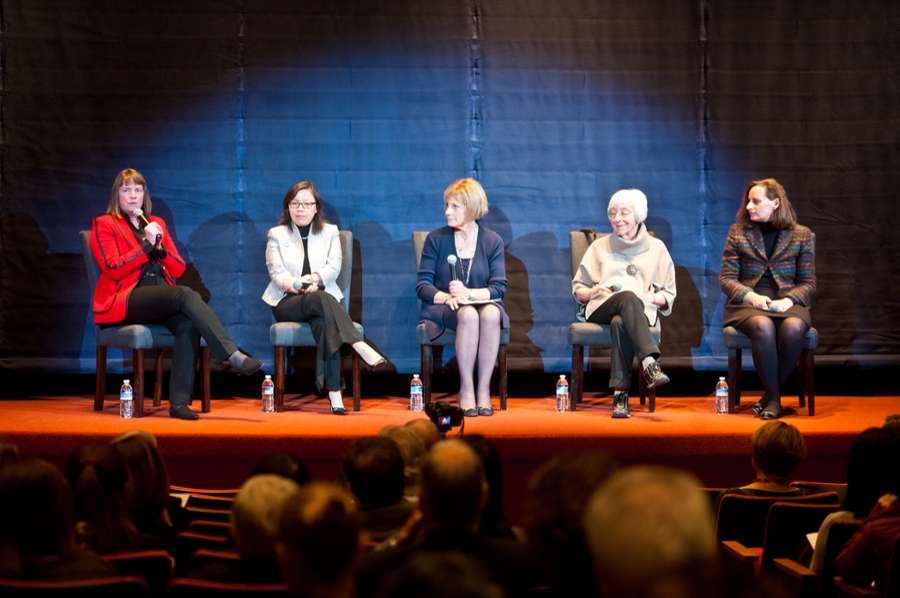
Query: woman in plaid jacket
x=769, y=276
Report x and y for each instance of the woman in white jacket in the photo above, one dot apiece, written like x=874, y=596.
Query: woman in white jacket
x=303, y=255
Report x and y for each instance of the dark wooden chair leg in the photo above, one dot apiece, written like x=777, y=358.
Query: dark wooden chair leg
x=204, y=379
x=575, y=375
x=279, y=379
x=356, y=381
x=642, y=384
x=426, y=360
x=158, y=381
x=734, y=384
x=100, y=382
x=810, y=367
x=503, y=389
x=138, y=386
x=652, y=399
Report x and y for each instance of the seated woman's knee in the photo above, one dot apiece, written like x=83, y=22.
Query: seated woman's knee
x=467, y=315
x=489, y=314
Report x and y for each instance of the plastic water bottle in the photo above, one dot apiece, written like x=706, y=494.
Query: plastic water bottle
x=415, y=394
x=126, y=404
x=721, y=397
x=268, y=395
x=562, y=394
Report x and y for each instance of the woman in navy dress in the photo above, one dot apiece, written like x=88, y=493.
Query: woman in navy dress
x=471, y=302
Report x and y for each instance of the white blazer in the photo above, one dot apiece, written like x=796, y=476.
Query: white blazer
x=284, y=259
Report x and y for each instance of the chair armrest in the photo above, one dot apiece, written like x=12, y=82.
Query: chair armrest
x=794, y=569
x=740, y=551
x=848, y=590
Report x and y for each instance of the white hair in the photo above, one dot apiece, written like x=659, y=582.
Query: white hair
x=633, y=198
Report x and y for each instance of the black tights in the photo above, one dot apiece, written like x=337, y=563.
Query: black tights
x=777, y=345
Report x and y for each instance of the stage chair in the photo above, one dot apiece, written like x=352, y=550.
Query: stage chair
x=153, y=566
x=122, y=586
x=891, y=587
x=587, y=334
x=138, y=338
x=736, y=341
x=801, y=582
x=448, y=338
x=743, y=518
x=211, y=528
x=819, y=487
x=187, y=543
x=787, y=525
x=195, y=588
x=299, y=334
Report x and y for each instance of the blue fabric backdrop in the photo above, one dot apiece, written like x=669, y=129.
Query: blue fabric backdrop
x=553, y=106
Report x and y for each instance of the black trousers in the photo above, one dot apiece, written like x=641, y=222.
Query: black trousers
x=331, y=327
x=183, y=312
x=630, y=332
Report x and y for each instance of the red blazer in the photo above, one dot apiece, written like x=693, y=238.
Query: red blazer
x=121, y=257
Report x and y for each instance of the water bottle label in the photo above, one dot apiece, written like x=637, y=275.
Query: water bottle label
x=125, y=395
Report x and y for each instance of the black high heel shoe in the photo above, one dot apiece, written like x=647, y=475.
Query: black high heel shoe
x=338, y=411
x=759, y=406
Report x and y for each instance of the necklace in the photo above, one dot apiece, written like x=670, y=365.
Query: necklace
x=466, y=270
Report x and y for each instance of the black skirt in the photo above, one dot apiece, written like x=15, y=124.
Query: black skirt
x=735, y=315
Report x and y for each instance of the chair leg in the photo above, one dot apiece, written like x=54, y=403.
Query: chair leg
x=204, y=379
x=642, y=384
x=801, y=378
x=279, y=379
x=810, y=358
x=138, y=395
x=734, y=379
x=426, y=362
x=356, y=381
x=502, y=367
x=575, y=376
x=158, y=382
x=652, y=399
x=100, y=382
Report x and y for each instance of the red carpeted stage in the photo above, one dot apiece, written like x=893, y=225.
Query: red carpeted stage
x=219, y=450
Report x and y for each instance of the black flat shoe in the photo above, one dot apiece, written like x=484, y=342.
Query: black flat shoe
x=338, y=411
x=760, y=405
x=470, y=412
x=182, y=412
x=248, y=367
x=771, y=412
x=486, y=411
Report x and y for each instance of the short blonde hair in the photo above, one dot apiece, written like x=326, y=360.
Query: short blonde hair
x=471, y=194
x=635, y=197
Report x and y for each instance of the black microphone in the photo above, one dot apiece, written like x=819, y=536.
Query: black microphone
x=140, y=214
x=451, y=259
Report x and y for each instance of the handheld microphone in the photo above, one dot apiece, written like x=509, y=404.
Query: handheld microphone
x=451, y=259
x=140, y=214
x=616, y=288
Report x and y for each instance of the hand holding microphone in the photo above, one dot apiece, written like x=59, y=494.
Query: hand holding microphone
x=152, y=231
x=458, y=290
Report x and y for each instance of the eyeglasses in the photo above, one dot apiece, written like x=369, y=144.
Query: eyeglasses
x=306, y=205
x=623, y=213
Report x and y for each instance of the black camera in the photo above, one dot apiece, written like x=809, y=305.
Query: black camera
x=444, y=415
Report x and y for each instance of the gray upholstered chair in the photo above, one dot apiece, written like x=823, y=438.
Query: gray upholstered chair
x=299, y=334
x=448, y=338
x=736, y=341
x=587, y=334
x=137, y=338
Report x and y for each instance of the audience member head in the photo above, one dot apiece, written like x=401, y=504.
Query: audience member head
x=427, y=429
x=874, y=455
x=439, y=574
x=492, y=521
x=452, y=485
x=892, y=420
x=287, y=466
x=318, y=544
x=412, y=448
x=255, y=514
x=777, y=449
x=374, y=470
x=99, y=481
x=9, y=451
x=35, y=514
x=644, y=523
x=557, y=495
x=148, y=475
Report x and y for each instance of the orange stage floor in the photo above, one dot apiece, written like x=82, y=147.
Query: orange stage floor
x=221, y=448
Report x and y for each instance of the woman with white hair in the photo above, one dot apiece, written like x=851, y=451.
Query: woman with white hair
x=625, y=280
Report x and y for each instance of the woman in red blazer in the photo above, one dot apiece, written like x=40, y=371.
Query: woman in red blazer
x=139, y=265
x=769, y=275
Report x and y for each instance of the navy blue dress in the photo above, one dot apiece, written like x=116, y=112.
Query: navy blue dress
x=488, y=270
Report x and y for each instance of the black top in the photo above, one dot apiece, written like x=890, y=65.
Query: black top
x=304, y=235
x=766, y=285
